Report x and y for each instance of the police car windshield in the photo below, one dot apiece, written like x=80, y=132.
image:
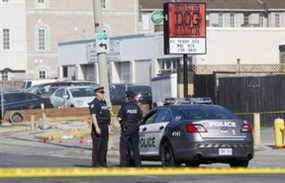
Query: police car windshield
x=202, y=113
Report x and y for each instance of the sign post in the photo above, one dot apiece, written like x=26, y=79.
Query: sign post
x=185, y=32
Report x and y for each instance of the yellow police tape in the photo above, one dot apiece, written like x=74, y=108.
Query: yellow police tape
x=91, y=172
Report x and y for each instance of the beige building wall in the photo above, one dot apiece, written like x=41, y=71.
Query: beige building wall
x=252, y=46
x=121, y=17
x=66, y=20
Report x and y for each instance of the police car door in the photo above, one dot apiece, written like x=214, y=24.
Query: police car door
x=146, y=140
x=161, y=121
x=152, y=132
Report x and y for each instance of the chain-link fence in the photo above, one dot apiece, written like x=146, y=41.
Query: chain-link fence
x=240, y=68
x=11, y=85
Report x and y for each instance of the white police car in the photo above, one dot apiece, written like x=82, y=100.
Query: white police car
x=195, y=134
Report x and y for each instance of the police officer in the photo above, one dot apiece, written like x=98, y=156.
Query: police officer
x=129, y=116
x=101, y=118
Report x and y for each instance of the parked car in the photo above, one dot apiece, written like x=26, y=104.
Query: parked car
x=14, y=101
x=75, y=96
x=43, y=89
x=30, y=83
x=118, y=93
x=143, y=92
x=195, y=134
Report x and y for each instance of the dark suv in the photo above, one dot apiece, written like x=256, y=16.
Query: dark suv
x=118, y=92
x=20, y=101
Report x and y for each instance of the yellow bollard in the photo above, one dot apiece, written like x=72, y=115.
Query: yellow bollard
x=278, y=132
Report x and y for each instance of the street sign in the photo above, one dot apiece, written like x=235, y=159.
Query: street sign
x=185, y=28
x=102, y=42
x=157, y=17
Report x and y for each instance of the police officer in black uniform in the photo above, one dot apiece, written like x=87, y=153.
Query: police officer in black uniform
x=130, y=116
x=101, y=118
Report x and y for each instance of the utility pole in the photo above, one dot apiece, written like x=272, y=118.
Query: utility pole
x=185, y=75
x=2, y=101
x=102, y=57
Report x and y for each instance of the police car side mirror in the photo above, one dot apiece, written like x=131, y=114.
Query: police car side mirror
x=142, y=122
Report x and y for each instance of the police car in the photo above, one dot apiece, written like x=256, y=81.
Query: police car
x=194, y=134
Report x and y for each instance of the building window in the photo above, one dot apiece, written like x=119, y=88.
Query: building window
x=5, y=1
x=246, y=20
x=168, y=65
x=6, y=39
x=124, y=69
x=221, y=17
x=260, y=20
x=65, y=72
x=232, y=20
x=43, y=74
x=42, y=39
x=140, y=16
x=104, y=4
x=4, y=76
x=277, y=20
x=41, y=4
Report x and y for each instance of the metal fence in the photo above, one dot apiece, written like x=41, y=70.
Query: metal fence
x=266, y=118
x=245, y=94
x=11, y=85
x=240, y=68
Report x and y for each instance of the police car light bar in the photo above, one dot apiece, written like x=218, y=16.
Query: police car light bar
x=201, y=100
x=179, y=101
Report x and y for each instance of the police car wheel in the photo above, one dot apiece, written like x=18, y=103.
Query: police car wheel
x=239, y=163
x=167, y=156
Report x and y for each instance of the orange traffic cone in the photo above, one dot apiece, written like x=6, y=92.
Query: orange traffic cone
x=44, y=140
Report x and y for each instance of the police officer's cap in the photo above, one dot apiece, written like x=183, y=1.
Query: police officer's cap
x=130, y=94
x=99, y=88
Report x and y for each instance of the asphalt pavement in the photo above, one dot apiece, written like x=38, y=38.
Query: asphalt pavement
x=158, y=179
x=19, y=150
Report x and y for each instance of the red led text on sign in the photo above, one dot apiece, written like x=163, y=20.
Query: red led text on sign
x=187, y=20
